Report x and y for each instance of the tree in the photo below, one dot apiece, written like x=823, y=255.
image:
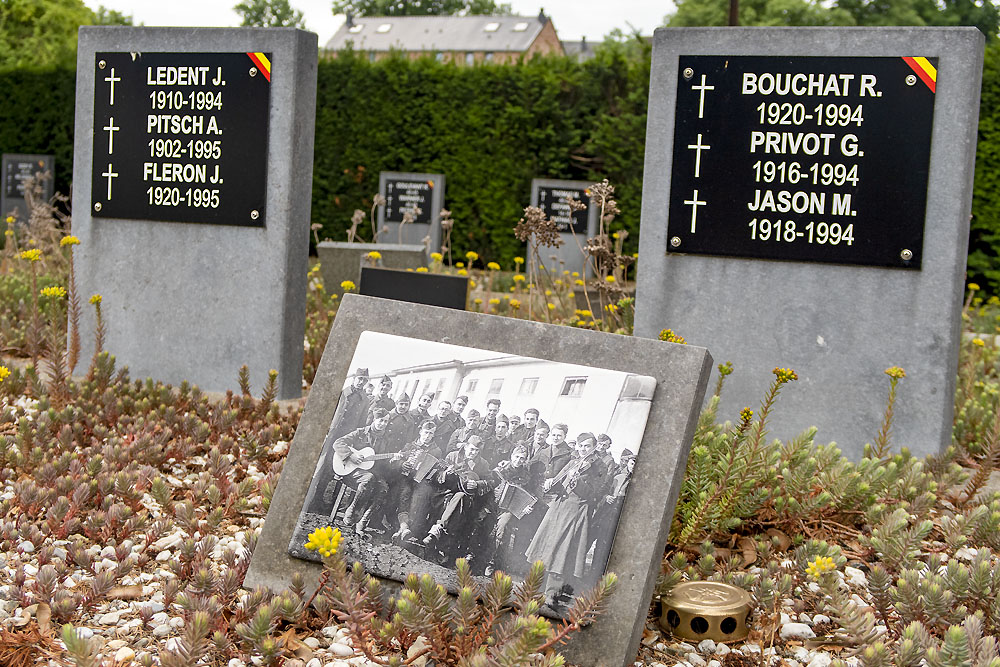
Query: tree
x=758, y=13
x=105, y=16
x=40, y=33
x=982, y=14
x=269, y=14
x=420, y=7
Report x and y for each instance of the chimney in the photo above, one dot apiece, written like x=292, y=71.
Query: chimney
x=542, y=18
x=350, y=19
x=583, y=44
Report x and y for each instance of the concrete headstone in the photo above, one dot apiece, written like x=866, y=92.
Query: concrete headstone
x=575, y=228
x=16, y=169
x=411, y=193
x=192, y=179
x=680, y=373
x=806, y=204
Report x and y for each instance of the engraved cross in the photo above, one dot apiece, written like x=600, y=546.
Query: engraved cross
x=112, y=128
x=694, y=203
x=113, y=174
x=114, y=78
x=701, y=100
x=698, y=148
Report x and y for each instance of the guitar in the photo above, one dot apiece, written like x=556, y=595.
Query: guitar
x=342, y=465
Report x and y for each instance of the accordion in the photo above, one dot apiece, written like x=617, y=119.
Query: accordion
x=512, y=498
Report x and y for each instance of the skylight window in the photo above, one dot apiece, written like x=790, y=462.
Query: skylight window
x=521, y=27
x=356, y=28
x=493, y=26
x=385, y=27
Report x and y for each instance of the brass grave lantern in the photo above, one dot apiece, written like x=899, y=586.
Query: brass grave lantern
x=700, y=610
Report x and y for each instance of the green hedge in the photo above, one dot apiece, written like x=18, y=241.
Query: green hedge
x=490, y=129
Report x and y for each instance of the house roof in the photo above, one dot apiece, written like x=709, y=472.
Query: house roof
x=438, y=33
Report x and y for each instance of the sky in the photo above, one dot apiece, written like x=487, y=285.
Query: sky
x=573, y=19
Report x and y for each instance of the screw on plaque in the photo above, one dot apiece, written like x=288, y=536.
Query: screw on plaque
x=906, y=254
x=253, y=71
x=910, y=80
x=688, y=72
x=102, y=64
x=97, y=206
x=675, y=241
x=254, y=214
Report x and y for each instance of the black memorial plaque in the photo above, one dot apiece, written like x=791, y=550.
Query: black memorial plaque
x=403, y=196
x=554, y=201
x=802, y=158
x=430, y=289
x=19, y=168
x=181, y=137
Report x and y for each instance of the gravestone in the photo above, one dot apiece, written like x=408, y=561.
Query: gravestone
x=409, y=193
x=342, y=260
x=16, y=169
x=575, y=228
x=430, y=289
x=807, y=209
x=680, y=373
x=192, y=173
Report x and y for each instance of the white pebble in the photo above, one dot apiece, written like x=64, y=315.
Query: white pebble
x=330, y=631
x=855, y=576
x=115, y=644
x=176, y=622
x=821, y=660
x=110, y=618
x=311, y=642
x=84, y=633
x=820, y=618
x=785, y=618
x=163, y=556
x=695, y=659
x=706, y=646
x=124, y=655
x=714, y=663
x=314, y=663
x=796, y=631
x=26, y=546
x=722, y=649
x=160, y=617
x=801, y=654
x=341, y=650
x=108, y=552
x=171, y=644
x=236, y=662
x=804, y=618
x=161, y=631
x=686, y=648
x=751, y=648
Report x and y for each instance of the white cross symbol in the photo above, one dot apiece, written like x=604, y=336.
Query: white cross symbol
x=112, y=174
x=114, y=78
x=694, y=202
x=701, y=101
x=698, y=147
x=112, y=128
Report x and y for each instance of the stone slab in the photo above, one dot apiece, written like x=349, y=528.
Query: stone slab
x=681, y=372
x=340, y=261
x=413, y=233
x=838, y=326
x=185, y=301
x=569, y=256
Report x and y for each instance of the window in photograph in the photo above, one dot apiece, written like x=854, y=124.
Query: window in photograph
x=440, y=386
x=637, y=387
x=470, y=385
x=496, y=385
x=573, y=386
x=528, y=386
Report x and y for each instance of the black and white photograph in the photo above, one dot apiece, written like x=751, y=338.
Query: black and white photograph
x=438, y=452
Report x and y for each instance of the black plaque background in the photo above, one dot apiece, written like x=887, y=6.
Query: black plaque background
x=243, y=120
x=17, y=170
x=432, y=289
x=395, y=207
x=889, y=200
x=546, y=200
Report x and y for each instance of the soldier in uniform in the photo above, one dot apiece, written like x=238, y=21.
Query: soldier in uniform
x=606, y=512
x=447, y=423
x=401, y=429
x=524, y=433
x=498, y=445
x=604, y=452
x=462, y=435
x=407, y=465
x=458, y=408
x=421, y=413
x=346, y=449
x=381, y=398
x=350, y=415
x=459, y=499
x=490, y=419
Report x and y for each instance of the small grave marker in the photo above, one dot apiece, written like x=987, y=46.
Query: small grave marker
x=431, y=289
x=192, y=174
x=408, y=193
x=809, y=210
x=16, y=169
x=680, y=373
x=575, y=228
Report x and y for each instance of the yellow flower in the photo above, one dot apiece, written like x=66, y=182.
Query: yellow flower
x=8, y=232
x=54, y=290
x=4, y=371
x=459, y=265
x=584, y=313
x=314, y=270
x=551, y=306
x=565, y=272
x=472, y=284
x=422, y=269
x=746, y=414
x=978, y=342
x=615, y=235
x=820, y=566
x=95, y=299
x=548, y=292
x=519, y=260
x=494, y=302
x=334, y=296
x=347, y=285
x=68, y=240
x=519, y=278
x=897, y=372
x=609, y=279
x=325, y=540
x=32, y=255
x=493, y=266
x=784, y=375
x=477, y=301
x=559, y=283
x=993, y=301
x=463, y=272
x=472, y=256
x=579, y=283
x=515, y=304
x=10, y=220
x=611, y=308
x=576, y=274
x=974, y=287
x=374, y=254
x=669, y=336
x=437, y=257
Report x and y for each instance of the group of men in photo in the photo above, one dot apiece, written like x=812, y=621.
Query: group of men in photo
x=444, y=481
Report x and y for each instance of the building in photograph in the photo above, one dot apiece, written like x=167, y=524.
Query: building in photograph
x=586, y=399
x=459, y=39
